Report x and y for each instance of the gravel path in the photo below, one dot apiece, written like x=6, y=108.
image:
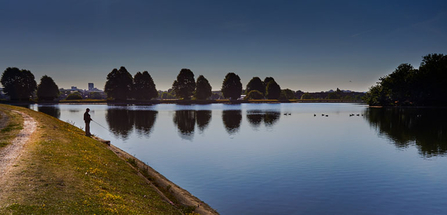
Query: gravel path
x=10, y=153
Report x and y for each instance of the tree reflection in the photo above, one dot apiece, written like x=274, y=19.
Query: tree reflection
x=185, y=121
x=120, y=121
x=53, y=111
x=255, y=117
x=203, y=118
x=271, y=117
x=426, y=128
x=144, y=121
x=232, y=120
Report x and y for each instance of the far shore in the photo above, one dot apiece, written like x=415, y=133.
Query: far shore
x=181, y=102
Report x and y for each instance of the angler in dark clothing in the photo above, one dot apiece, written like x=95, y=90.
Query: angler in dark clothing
x=87, y=120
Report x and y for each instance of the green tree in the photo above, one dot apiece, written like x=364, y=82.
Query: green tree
x=254, y=94
x=203, y=90
x=377, y=95
x=273, y=90
x=167, y=95
x=255, y=84
x=400, y=84
x=232, y=86
x=185, y=84
x=306, y=96
x=74, y=96
x=18, y=84
x=332, y=95
x=144, y=86
x=95, y=95
x=119, y=84
x=409, y=86
x=287, y=94
x=431, y=81
x=267, y=80
x=47, y=90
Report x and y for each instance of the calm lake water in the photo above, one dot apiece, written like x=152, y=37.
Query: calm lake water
x=281, y=159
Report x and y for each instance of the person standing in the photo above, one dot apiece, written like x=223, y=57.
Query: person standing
x=87, y=120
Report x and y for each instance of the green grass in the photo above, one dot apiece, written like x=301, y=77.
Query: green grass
x=65, y=172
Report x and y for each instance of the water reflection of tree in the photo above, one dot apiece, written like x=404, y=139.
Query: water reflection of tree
x=271, y=117
x=53, y=111
x=426, y=128
x=255, y=117
x=122, y=121
x=144, y=121
x=185, y=121
x=203, y=118
x=232, y=120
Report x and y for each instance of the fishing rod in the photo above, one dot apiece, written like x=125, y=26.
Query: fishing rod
x=103, y=127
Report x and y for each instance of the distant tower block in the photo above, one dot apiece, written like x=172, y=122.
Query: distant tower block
x=91, y=86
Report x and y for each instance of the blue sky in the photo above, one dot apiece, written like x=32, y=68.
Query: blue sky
x=304, y=45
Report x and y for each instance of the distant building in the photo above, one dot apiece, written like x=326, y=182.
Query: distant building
x=74, y=88
x=91, y=86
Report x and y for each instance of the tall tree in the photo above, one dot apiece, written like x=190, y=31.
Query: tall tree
x=47, y=90
x=255, y=84
x=119, y=84
x=203, y=89
x=18, y=84
x=267, y=80
x=144, y=86
x=232, y=86
x=185, y=84
x=273, y=90
x=432, y=79
x=400, y=84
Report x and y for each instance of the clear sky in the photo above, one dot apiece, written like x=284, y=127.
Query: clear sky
x=304, y=45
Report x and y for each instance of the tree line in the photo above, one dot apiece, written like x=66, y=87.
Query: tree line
x=121, y=86
x=407, y=86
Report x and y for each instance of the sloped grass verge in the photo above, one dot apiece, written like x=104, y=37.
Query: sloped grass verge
x=65, y=172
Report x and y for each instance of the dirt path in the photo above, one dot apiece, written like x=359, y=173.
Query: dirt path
x=10, y=153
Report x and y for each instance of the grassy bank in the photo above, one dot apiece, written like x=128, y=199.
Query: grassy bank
x=64, y=172
x=10, y=125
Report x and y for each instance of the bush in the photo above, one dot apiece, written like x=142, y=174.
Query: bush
x=254, y=94
x=74, y=96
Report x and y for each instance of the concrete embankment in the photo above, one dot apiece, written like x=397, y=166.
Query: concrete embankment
x=167, y=189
